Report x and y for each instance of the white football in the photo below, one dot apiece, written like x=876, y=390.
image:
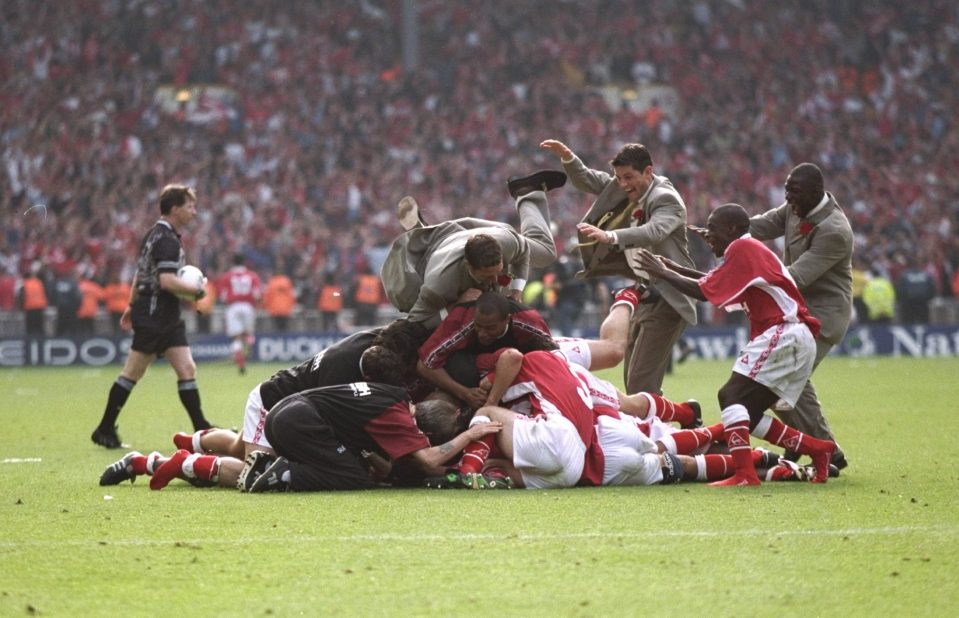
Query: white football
x=192, y=276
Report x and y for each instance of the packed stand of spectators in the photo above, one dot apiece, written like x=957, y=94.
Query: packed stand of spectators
x=323, y=129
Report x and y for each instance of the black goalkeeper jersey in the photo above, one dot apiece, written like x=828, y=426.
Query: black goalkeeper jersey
x=336, y=364
x=368, y=416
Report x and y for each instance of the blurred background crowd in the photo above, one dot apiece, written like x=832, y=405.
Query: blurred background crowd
x=301, y=124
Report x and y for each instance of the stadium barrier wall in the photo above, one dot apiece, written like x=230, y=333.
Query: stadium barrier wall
x=925, y=341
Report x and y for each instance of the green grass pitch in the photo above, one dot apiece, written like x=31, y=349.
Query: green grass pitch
x=881, y=540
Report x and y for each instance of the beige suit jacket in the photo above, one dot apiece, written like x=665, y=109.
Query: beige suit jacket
x=820, y=261
x=661, y=229
x=425, y=269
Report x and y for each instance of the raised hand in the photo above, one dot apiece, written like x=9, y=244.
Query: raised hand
x=557, y=147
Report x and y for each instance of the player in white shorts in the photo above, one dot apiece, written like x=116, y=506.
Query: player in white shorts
x=241, y=289
x=554, y=446
x=778, y=359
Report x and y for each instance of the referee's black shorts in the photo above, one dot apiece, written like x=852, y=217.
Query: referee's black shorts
x=153, y=335
x=298, y=431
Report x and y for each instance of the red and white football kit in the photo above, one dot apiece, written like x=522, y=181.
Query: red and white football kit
x=240, y=288
x=782, y=347
x=780, y=353
x=556, y=446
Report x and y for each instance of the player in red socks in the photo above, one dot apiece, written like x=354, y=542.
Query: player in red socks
x=641, y=405
x=242, y=289
x=779, y=356
x=197, y=469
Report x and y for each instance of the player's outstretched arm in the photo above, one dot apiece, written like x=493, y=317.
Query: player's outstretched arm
x=431, y=460
x=508, y=365
x=655, y=266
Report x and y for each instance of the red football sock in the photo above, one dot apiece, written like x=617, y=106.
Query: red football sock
x=717, y=431
x=203, y=467
x=148, y=463
x=191, y=441
x=670, y=411
x=714, y=467
x=737, y=439
x=736, y=421
x=689, y=440
x=475, y=454
x=776, y=432
x=139, y=464
x=183, y=440
x=168, y=470
x=240, y=359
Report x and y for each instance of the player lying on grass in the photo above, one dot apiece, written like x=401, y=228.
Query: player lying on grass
x=386, y=354
x=349, y=436
x=695, y=442
x=556, y=445
x=321, y=436
x=779, y=357
x=551, y=447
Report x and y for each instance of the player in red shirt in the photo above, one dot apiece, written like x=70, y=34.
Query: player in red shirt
x=554, y=446
x=779, y=356
x=240, y=288
x=566, y=435
x=448, y=357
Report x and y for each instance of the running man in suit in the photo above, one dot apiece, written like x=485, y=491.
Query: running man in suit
x=635, y=209
x=817, y=252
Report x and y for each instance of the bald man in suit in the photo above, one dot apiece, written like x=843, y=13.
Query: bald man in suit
x=817, y=251
x=635, y=209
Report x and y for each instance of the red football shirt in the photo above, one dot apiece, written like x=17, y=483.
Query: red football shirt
x=753, y=279
x=545, y=378
x=240, y=285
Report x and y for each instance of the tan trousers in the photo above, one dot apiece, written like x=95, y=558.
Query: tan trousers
x=807, y=416
x=653, y=330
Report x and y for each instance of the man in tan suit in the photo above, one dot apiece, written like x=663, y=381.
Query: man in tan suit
x=429, y=267
x=818, y=254
x=635, y=209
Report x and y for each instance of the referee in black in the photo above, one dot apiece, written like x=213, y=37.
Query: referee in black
x=154, y=315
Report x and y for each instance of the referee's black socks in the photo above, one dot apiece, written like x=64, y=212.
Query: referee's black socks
x=190, y=398
x=119, y=393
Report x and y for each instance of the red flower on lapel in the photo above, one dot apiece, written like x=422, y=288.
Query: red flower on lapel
x=503, y=280
x=805, y=227
x=638, y=214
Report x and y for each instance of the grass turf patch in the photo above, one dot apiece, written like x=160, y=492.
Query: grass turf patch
x=883, y=538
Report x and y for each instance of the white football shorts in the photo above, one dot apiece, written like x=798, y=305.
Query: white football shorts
x=576, y=350
x=548, y=451
x=240, y=318
x=631, y=458
x=254, y=420
x=781, y=358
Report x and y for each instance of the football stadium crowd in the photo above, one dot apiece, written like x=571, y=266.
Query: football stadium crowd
x=302, y=124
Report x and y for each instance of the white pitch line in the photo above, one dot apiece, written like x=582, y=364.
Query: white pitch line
x=21, y=460
x=419, y=538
